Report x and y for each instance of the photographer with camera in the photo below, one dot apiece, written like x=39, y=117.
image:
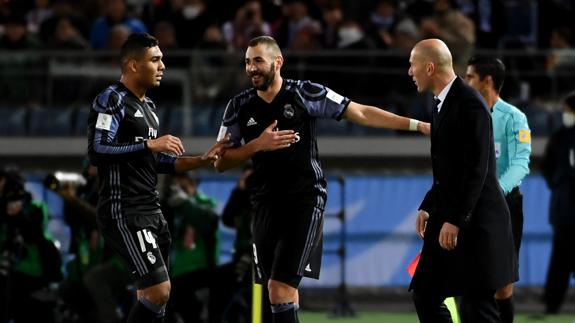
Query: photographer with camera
x=29, y=261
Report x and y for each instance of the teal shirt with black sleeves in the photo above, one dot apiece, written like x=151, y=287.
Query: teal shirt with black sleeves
x=512, y=144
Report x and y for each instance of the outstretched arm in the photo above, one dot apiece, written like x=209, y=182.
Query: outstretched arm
x=371, y=116
x=184, y=164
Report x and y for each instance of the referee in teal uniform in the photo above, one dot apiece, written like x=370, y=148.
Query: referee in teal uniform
x=512, y=149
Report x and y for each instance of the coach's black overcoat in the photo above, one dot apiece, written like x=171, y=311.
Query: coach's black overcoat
x=466, y=193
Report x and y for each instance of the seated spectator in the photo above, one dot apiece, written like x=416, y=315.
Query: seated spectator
x=16, y=36
x=118, y=35
x=382, y=22
x=115, y=13
x=17, y=88
x=454, y=28
x=560, y=62
x=166, y=35
x=62, y=9
x=295, y=18
x=66, y=36
x=247, y=24
x=332, y=18
x=36, y=16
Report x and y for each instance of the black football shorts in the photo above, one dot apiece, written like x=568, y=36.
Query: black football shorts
x=288, y=240
x=143, y=242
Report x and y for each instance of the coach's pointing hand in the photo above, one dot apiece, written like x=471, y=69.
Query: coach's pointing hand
x=166, y=144
x=271, y=139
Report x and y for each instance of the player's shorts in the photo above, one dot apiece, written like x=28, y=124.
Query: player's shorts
x=288, y=240
x=143, y=242
x=515, y=204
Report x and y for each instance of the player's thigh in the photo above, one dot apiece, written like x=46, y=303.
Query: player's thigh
x=299, y=244
x=265, y=238
x=142, y=242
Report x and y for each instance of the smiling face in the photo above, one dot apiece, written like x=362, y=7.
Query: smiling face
x=150, y=67
x=261, y=66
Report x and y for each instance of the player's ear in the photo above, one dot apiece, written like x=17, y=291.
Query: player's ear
x=489, y=81
x=132, y=65
x=279, y=61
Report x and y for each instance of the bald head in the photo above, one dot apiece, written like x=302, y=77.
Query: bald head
x=435, y=51
x=431, y=66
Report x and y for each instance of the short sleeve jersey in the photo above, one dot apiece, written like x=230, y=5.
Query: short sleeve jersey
x=118, y=125
x=293, y=172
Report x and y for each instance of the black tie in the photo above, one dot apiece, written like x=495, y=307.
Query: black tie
x=435, y=109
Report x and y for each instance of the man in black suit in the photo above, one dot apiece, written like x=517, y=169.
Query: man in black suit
x=463, y=219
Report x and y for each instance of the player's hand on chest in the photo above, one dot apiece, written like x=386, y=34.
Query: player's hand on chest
x=289, y=117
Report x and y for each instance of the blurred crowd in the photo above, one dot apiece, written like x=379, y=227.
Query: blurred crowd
x=539, y=35
x=59, y=266
x=297, y=24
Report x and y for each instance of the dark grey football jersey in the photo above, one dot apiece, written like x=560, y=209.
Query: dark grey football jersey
x=118, y=125
x=293, y=172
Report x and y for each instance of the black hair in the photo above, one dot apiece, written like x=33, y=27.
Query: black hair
x=266, y=40
x=136, y=45
x=491, y=66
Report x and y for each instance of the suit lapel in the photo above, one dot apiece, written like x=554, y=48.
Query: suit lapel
x=446, y=105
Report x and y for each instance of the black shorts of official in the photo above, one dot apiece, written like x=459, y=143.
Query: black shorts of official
x=515, y=204
x=143, y=242
x=288, y=239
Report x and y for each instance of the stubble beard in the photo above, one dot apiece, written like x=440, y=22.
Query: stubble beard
x=268, y=79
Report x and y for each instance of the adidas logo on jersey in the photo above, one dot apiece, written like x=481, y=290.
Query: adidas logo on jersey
x=251, y=122
x=307, y=268
x=138, y=114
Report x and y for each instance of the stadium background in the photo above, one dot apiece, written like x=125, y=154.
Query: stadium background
x=377, y=177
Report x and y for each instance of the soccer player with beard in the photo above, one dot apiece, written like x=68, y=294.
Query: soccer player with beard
x=273, y=123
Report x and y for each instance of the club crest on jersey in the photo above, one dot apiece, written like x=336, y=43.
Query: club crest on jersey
x=288, y=111
x=151, y=257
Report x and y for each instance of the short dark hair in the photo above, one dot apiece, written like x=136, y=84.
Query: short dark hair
x=491, y=66
x=269, y=41
x=136, y=45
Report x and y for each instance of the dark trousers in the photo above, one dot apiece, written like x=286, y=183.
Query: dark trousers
x=561, y=265
x=515, y=204
x=479, y=307
x=474, y=307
